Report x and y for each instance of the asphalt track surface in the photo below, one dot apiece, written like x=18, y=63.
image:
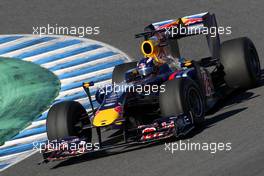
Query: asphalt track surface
x=238, y=120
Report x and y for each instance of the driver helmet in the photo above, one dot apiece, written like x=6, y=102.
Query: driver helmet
x=145, y=66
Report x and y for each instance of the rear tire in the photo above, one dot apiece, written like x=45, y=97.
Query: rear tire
x=182, y=96
x=241, y=63
x=120, y=70
x=63, y=118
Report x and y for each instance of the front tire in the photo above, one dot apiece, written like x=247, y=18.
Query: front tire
x=64, y=120
x=182, y=96
x=241, y=64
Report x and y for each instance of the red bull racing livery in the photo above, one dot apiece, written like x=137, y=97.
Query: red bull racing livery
x=160, y=96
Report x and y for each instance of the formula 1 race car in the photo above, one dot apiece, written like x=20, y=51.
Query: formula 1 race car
x=160, y=96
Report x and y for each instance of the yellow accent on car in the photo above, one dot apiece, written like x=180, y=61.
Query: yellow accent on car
x=119, y=123
x=86, y=85
x=188, y=63
x=135, y=72
x=150, y=49
x=105, y=117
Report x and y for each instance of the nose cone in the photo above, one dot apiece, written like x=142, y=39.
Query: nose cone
x=105, y=117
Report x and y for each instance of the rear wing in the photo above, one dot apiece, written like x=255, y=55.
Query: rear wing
x=193, y=24
x=189, y=21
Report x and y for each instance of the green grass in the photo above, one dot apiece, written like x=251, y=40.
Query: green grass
x=26, y=90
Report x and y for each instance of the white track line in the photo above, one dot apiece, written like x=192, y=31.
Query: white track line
x=21, y=157
x=85, y=100
x=8, y=157
x=85, y=76
x=57, y=51
x=25, y=140
x=36, y=124
x=80, y=89
x=87, y=64
x=16, y=42
x=72, y=58
x=33, y=47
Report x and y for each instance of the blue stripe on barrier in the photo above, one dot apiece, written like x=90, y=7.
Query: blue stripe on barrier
x=82, y=60
x=76, y=96
x=94, y=79
x=9, y=39
x=19, y=148
x=25, y=44
x=41, y=50
x=30, y=132
x=67, y=54
x=90, y=69
x=42, y=117
x=3, y=165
